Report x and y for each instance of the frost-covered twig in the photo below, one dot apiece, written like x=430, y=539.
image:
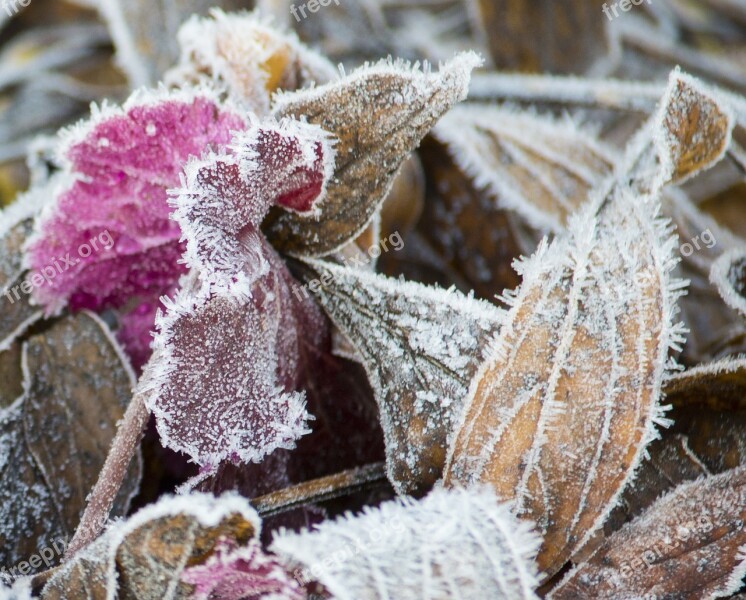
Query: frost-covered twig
x=321, y=489
x=112, y=474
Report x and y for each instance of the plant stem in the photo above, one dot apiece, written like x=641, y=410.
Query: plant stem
x=101, y=498
x=320, y=490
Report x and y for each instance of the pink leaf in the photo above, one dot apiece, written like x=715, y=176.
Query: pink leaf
x=119, y=165
x=246, y=573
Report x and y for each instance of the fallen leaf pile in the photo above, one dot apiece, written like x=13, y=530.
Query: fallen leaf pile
x=372, y=300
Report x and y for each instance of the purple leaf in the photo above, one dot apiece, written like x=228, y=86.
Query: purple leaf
x=224, y=198
x=107, y=235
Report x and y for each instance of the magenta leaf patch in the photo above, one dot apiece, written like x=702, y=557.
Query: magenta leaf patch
x=225, y=197
x=246, y=573
x=107, y=238
x=228, y=353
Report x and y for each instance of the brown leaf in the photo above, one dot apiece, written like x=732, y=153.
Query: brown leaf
x=477, y=239
x=378, y=114
x=144, y=557
x=402, y=208
x=719, y=386
x=420, y=347
x=57, y=434
x=558, y=418
x=16, y=313
x=541, y=168
x=542, y=35
x=728, y=274
x=687, y=545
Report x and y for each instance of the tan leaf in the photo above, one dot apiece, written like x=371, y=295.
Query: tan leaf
x=686, y=545
x=56, y=435
x=541, y=168
x=16, y=224
x=378, y=114
x=544, y=36
x=420, y=347
x=144, y=557
x=559, y=416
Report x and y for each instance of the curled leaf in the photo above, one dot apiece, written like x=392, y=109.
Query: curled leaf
x=378, y=114
x=145, y=556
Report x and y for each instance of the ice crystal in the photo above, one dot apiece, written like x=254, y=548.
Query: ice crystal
x=451, y=544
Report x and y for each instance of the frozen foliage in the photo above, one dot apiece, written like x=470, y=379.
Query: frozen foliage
x=117, y=169
x=224, y=198
x=420, y=346
x=378, y=113
x=242, y=574
x=572, y=388
x=145, y=555
x=728, y=274
x=222, y=378
x=453, y=544
x=228, y=352
x=244, y=54
x=689, y=544
x=539, y=167
x=20, y=590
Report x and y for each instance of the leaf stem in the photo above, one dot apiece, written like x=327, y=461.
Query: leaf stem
x=321, y=489
x=101, y=498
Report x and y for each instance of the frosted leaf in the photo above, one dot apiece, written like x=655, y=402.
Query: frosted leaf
x=222, y=378
x=558, y=418
x=541, y=168
x=145, y=555
x=55, y=437
x=688, y=544
x=107, y=235
x=224, y=198
x=720, y=384
x=420, y=347
x=20, y=590
x=452, y=544
x=243, y=53
x=145, y=33
x=379, y=113
x=16, y=225
x=728, y=275
x=237, y=574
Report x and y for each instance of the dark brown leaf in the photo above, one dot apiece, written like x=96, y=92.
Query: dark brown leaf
x=686, y=545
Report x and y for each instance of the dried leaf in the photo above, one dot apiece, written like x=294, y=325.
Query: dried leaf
x=584, y=348
x=16, y=224
x=57, y=434
x=144, y=557
x=145, y=33
x=541, y=35
x=379, y=114
x=242, y=53
x=719, y=385
x=689, y=544
x=541, y=168
x=420, y=347
x=728, y=275
x=451, y=544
